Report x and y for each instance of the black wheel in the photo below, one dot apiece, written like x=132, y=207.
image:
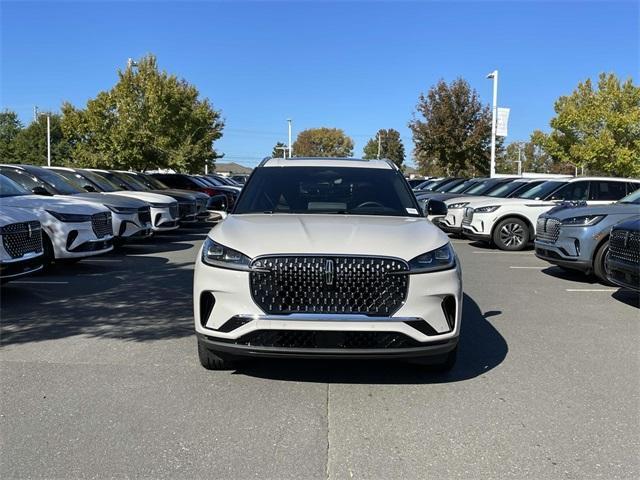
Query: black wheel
x=511, y=234
x=599, y=269
x=48, y=257
x=210, y=360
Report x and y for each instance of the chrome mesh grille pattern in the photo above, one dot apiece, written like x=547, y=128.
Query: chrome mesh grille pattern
x=22, y=238
x=329, y=284
x=468, y=215
x=144, y=215
x=173, y=210
x=625, y=246
x=101, y=224
x=326, y=339
x=186, y=208
x=547, y=229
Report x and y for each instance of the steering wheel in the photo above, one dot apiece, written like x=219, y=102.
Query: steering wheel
x=370, y=204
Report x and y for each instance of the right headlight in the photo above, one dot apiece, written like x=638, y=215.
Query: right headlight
x=453, y=206
x=443, y=258
x=217, y=255
x=489, y=209
x=70, y=217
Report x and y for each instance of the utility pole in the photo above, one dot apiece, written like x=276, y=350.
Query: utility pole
x=379, y=144
x=289, y=122
x=494, y=114
x=519, y=159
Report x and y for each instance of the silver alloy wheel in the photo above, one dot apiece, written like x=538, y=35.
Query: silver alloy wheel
x=512, y=234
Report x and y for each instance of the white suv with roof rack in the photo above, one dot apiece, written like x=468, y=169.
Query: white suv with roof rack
x=510, y=223
x=327, y=258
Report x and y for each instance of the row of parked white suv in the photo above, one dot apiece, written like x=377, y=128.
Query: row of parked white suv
x=48, y=216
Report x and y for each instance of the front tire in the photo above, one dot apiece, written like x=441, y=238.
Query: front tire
x=511, y=234
x=210, y=360
x=599, y=269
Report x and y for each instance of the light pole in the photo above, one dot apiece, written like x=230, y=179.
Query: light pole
x=36, y=116
x=289, y=122
x=494, y=114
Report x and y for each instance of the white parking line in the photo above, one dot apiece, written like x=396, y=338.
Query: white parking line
x=591, y=289
x=39, y=282
x=501, y=252
x=533, y=268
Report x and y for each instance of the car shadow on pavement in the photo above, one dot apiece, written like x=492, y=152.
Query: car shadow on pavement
x=120, y=296
x=481, y=349
x=570, y=275
x=487, y=246
x=628, y=297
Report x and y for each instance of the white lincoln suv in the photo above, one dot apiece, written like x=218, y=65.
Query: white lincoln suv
x=327, y=258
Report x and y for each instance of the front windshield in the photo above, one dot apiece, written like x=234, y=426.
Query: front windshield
x=542, y=190
x=426, y=185
x=485, y=187
x=133, y=181
x=9, y=188
x=25, y=180
x=463, y=186
x=450, y=186
x=633, y=198
x=506, y=189
x=153, y=182
x=62, y=185
x=121, y=182
x=103, y=183
x=328, y=190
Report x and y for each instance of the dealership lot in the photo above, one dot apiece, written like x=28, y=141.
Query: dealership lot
x=100, y=378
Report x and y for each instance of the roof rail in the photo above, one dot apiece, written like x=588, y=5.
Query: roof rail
x=264, y=160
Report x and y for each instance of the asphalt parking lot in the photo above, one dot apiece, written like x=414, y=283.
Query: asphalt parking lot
x=100, y=378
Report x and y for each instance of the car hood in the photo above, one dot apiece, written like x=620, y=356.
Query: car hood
x=113, y=200
x=506, y=202
x=568, y=211
x=264, y=234
x=177, y=194
x=59, y=203
x=145, y=196
x=10, y=215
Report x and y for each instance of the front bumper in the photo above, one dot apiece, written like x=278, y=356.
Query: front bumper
x=422, y=322
x=162, y=220
x=563, y=253
x=452, y=222
x=26, y=265
x=623, y=274
x=76, y=240
x=478, y=228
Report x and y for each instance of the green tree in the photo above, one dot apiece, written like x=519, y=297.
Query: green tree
x=10, y=127
x=323, y=142
x=149, y=119
x=391, y=147
x=30, y=145
x=278, y=150
x=453, y=135
x=597, y=128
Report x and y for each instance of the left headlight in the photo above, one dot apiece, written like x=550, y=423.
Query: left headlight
x=442, y=258
x=453, y=206
x=583, y=221
x=70, y=217
x=218, y=255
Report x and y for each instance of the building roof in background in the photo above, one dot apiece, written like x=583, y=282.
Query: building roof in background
x=232, y=168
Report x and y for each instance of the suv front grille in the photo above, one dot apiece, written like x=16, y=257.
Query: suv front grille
x=144, y=215
x=173, y=210
x=22, y=238
x=329, y=285
x=547, y=229
x=467, y=216
x=326, y=339
x=625, y=246
x=186, y=208
x=101, y=224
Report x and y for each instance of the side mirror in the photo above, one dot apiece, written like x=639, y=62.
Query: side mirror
x=89, y=188
x=218, y=203
x=435, y=208
x=41, y=191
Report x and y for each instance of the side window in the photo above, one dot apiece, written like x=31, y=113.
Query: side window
x=607, y=190
x=632, y=187
x=573, y=191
